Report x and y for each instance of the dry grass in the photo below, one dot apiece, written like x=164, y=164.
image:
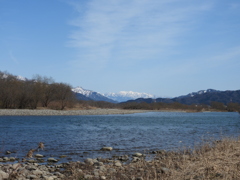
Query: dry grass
x=210, y=161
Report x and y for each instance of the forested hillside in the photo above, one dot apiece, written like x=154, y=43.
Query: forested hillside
x=39, y=91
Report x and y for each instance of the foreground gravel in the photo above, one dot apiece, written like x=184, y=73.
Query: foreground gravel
x=47, y=112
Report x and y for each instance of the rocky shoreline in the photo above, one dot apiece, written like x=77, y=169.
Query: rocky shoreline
x=36, y=168
x=213, y=160
x=48, y=112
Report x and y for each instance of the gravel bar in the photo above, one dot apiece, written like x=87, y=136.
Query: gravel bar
x=48, y=112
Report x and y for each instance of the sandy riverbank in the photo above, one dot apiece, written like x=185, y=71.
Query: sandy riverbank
x=48, y=112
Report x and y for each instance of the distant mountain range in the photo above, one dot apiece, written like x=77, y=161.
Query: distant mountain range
x=123, y=96
x=200, y=97
x=84, y=94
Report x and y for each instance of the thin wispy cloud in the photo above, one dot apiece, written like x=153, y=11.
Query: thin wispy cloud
x=13, y=58
x=130, y=31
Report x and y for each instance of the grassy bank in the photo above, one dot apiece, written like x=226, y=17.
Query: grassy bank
x=213, y=160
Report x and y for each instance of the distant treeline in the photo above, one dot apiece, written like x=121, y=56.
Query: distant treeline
x=37, y=92
x=231, y=107
x=215, y=106
x=44, y=92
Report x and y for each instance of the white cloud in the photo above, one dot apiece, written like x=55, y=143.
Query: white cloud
x=108, y=31
x=13, y=58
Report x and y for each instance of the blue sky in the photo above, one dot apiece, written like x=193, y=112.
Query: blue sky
x=161, y=47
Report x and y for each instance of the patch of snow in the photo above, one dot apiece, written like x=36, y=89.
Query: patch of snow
x=127, y=95
x=21, y=78
x=80, y=90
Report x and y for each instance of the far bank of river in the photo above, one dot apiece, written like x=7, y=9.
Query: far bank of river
x=49, y=112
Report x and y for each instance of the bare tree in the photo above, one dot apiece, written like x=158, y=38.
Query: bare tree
x=64, y=94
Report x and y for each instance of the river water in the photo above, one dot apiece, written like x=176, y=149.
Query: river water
x=81, y=137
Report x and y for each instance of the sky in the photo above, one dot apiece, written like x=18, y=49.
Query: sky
x=166, y=48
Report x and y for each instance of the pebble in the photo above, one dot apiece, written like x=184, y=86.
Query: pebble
x=8, y=152
x=103, y=177
x=3, y=175
x=165, y=170
x=118, y=164
x=52, y=160
x=138, y=155
x=39, y=156
x=5, y=158
x=111, y=170
x=89, y=161
x=107, y=149
x=88, y=176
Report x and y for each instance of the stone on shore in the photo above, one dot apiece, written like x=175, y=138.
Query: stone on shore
x=107, y=149
x=39, y=156
x=52, y=160
x=118, y=164
x=5, y=158
x=8, y=152
x=89, y=161
x=3, y=175
x=138, y=155
x=62, y=156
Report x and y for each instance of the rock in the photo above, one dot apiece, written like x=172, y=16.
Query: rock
x=98, y=164
x=5, y=158
x=138, y=155
x=59, y=166
x=15, y=166
x=39, y=156
x=40, y=160
x=96, y=174
x=87, y=176
x=37, y=172
x=139, y=178
x=80, y=171
x=135, y=159
x=31, y=167
x=118, y=164
x=107, y=149
x=89, y=161
x=165, y=170
x=1, y=160
x=32, y=177
x=12, y=159
x=32, y=161
x=52, y=160
x=123, y=158
x=102, y=168
x=124, y=176
x=103, y=177
x=3, y=175
x=111, y=170
x=62, y=156
x=43, y=168
x=49, y=177
x=8, y=152
x=95, y=161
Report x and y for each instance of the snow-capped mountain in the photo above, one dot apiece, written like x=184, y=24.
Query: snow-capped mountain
x=199, y=92
x=21, y=78
x=123, y=96
x=91, y=95
x=82, y=91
